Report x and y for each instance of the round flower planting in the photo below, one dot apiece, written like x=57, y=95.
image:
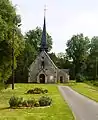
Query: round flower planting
x=16, y=102
x=37, y=91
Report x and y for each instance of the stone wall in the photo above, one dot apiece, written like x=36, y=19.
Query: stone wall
x=64, y=75
x=49, y=69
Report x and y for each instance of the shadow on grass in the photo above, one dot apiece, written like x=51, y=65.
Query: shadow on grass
x=9, y=108
x=4, y=108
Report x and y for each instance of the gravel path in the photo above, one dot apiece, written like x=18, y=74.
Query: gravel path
x=82, y=107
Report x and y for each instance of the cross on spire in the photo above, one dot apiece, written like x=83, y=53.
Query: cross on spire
x=45, y=10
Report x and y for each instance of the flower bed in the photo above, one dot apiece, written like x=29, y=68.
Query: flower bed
x=16, y=102
x=37, y=91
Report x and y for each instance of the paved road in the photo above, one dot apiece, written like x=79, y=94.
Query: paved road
x=82, y=107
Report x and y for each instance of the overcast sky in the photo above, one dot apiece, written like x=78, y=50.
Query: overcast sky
x=64, y=18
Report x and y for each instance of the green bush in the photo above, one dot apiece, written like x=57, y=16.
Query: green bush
x=36, y=104
x=15, y=101
x=95, y=83
x=30, y=92
x=19, y=102
x=6, y=85
x=37, y=91
x=25, y=103
x=45, y=91
x=80, y=78
x=31, y=102
x=45, y=101
x=3, y=85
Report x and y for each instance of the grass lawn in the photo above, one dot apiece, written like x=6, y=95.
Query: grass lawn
x=86, y=90
x=58, y=111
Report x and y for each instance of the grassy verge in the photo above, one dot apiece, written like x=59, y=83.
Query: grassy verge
x=87, y=90
x=58, y=111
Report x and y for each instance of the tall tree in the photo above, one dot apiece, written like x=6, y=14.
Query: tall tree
x=77, y=50
x=9, y=22
x=92, y=63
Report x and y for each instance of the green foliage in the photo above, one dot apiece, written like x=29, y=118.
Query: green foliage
x=94, y=46
x=4, y=85
x=84, y=55
x=37, y=91
x=95, y=83
x=37, y=104
x=78, y=50
x=30, y=103
x=15, y=101
x=45, y=101
x=1, y=85
x=9, y=30
x=60, y=60
x=45, y=91
x=80, y=78
x=25, y=103
x=33, y=37
x=92, y=62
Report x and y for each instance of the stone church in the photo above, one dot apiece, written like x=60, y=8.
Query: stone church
x=43, y=69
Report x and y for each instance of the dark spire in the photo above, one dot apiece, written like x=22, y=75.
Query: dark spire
x=44, y=41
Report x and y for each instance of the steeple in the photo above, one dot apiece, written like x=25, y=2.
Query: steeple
x=44, y=41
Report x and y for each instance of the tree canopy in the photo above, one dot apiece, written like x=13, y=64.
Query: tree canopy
x=92, y=61
x=9, y=30
x=77, y=50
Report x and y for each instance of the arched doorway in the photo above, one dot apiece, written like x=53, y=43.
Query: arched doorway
x=42, y=78
x=61, y=79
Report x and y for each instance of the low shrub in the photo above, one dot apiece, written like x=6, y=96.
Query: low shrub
x=25, y=103
x=6, y=85
x=19, y=102
x=95, y=83
x=3, y=85
x=15, y=101
x=30, y=92
x=31, y=102
x=28, y=103
x=37, y=104
x=45, y=91
x=45, y=101
x=37, y=91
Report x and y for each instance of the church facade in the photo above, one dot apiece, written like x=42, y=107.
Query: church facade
x=43, y=69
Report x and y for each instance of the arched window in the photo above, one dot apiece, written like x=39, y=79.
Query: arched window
x=61, y=79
